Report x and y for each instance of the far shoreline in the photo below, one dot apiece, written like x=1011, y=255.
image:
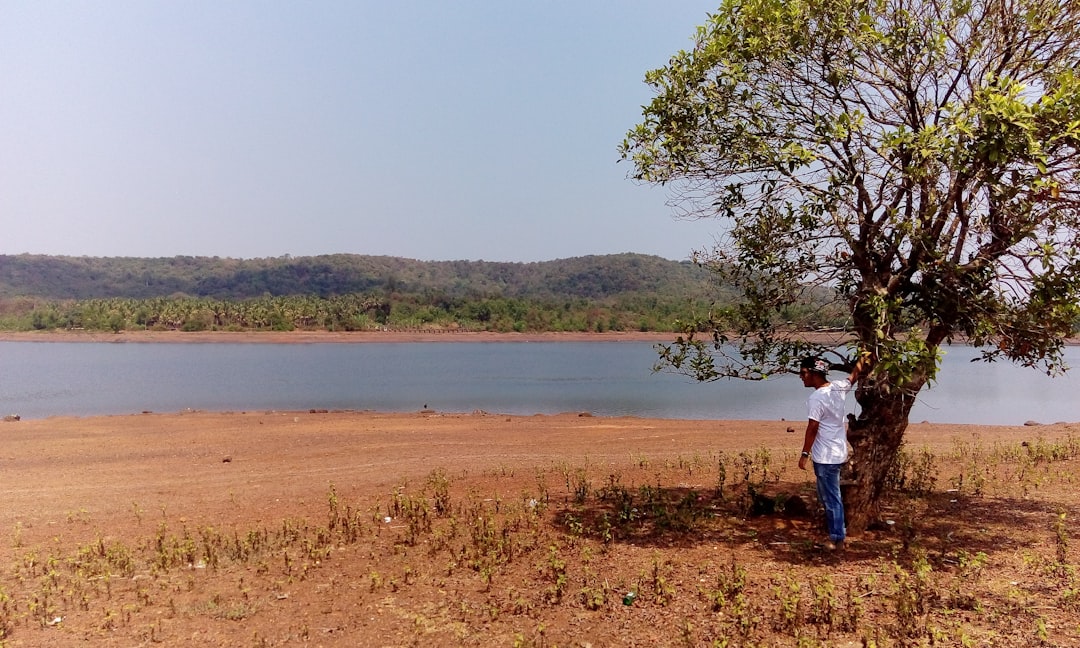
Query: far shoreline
x=836, y=338
x=329, y=337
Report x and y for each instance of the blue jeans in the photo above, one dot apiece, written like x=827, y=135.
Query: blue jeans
x=828, y=490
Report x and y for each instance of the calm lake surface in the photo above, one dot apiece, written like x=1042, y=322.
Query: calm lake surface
x=41, y=379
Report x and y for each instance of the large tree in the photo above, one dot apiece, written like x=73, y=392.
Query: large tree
x=914, y=161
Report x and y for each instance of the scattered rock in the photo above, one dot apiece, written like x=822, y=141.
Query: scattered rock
x=762, y=505
x=790, y=430
x=11, y=418
x=782, y=504
x=585, y=414
x=318, y=411
x=226, y=460
x=1032, y=423
x=796, y=506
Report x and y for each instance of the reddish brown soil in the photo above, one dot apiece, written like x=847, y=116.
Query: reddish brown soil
x=332, y=529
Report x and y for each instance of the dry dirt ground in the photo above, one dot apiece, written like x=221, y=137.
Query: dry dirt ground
x=435, y=529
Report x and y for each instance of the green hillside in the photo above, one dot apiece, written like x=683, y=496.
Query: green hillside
x=351, y=292
x=590, y=277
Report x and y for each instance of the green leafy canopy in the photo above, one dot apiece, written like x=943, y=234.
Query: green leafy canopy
x=917, y=160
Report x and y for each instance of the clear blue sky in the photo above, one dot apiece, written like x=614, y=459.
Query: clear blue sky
x=426, y=129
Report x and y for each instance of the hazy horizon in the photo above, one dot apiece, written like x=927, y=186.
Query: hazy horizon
x=310, y=256
x=419, y=129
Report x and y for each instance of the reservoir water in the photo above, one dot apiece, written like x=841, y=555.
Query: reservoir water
x=605, y=378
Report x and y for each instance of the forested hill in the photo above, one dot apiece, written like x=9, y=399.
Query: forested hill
x=589, y=277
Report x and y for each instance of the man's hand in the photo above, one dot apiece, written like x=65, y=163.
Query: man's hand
x=802, y=462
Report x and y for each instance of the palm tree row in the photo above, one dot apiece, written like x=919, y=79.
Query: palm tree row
x=352, y=312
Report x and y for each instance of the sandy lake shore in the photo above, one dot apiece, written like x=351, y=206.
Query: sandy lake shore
x=199, y=464
x=130, y=496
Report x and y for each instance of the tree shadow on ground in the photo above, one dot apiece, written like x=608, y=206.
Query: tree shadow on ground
x=667, y=517
x=987, y=524
x=785, y=519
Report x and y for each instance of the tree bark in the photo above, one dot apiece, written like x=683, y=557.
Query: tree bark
x=876, y=437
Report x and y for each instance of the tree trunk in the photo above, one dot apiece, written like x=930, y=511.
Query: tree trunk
x=876, y=437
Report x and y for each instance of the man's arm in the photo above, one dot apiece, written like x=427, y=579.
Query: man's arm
x=808, y=442
x=862, y=366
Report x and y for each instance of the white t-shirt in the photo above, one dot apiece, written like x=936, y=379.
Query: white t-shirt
x=827, y=406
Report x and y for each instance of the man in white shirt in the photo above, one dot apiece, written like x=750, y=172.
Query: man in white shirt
x=825, y=441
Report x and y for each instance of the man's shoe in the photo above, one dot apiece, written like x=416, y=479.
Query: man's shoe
x=834, y=546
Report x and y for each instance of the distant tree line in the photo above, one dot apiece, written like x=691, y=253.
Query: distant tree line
x=345, y=313
x=624, y=292
x=589, y=277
